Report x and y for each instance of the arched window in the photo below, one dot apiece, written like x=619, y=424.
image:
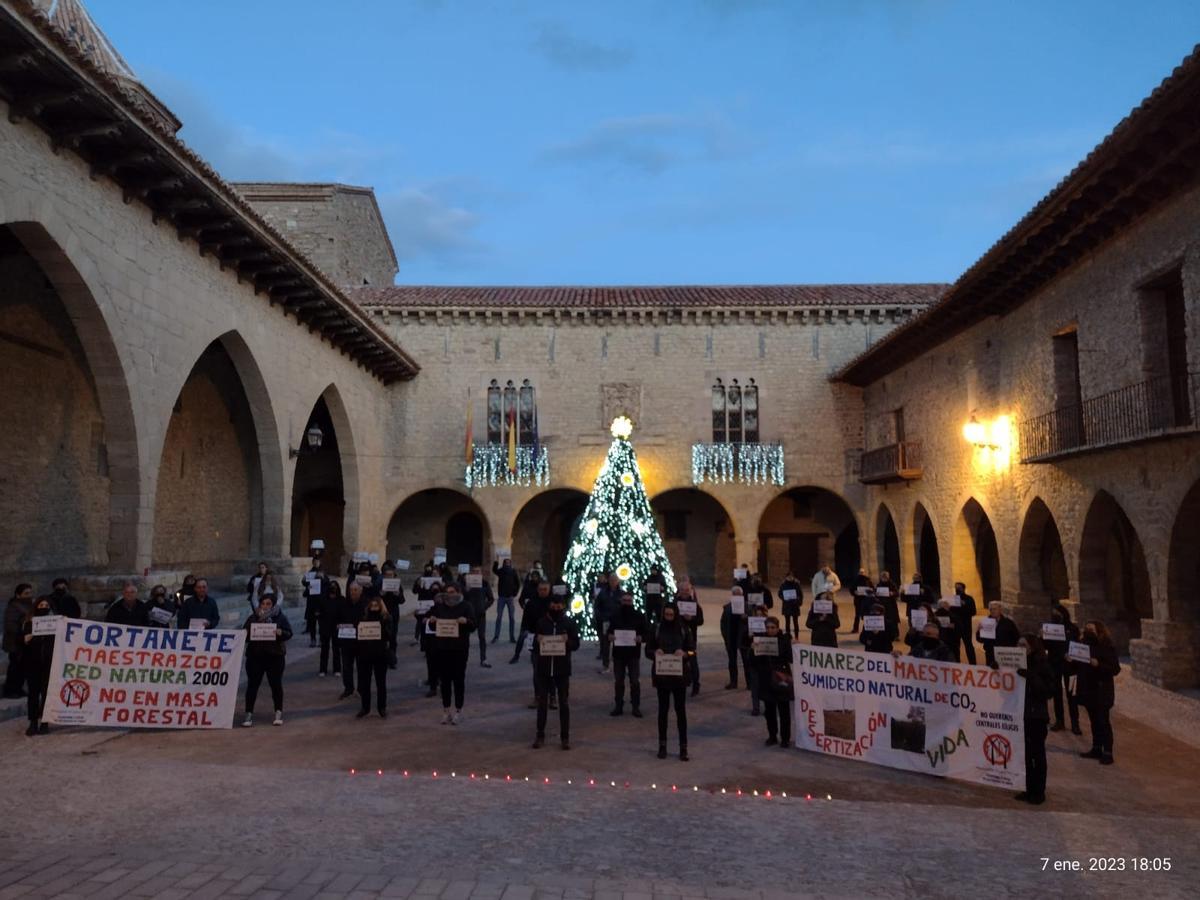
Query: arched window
x=495, y=413
x=734, y=417
x=510, y=408
x=750, y=413
x=718, y=413
x=528, y=415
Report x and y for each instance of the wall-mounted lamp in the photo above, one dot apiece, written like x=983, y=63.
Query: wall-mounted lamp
x=312, y=439
x=976, y=434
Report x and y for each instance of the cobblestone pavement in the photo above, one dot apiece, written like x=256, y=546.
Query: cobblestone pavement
x=275, y=812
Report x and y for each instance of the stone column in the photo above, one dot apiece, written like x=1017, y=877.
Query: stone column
x=1167, y=654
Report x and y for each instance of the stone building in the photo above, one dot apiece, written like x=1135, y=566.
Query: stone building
x=199, y=374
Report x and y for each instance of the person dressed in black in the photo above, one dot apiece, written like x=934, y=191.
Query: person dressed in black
x=947, y=630
x=253, y=584
x=671, y=638
x=426, y=635
x=373, y=646
x=350, y=611
x=18, y=609
x=534, y=610
x=1096, y=690
x=552, y=667
x=479, y=599
x=733, y=613
x=313, y=588
x=914, y=635
x=604, y=607
x=452, y=620
x=881, y=635
x=393, y=599
x=753, y=625
x=508, y=589
x=692, y=618
x=885, y=595
x=329, y=601
x=38, y=652
x=1039, y=687
x=823, y=625
x=962, y=613
x=628, y=625
x=655, y=591
x=1006, y=631
x=1063, y=668
x=529, y=589
x=757, y=587
x=199, y=608
x=930, y=645
x=188, y=589
x=916, y=594
x=266, y=649
x=864, y=598
x=772, y=654
x=791, y=596
x=161, y=609
x=61, y=600
x=128, y=609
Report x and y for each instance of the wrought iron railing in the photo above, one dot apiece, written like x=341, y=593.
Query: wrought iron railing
x=745, y=463
x=895, y=462
x=1132, y=413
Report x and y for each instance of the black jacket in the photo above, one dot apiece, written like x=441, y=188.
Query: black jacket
x=168, y=606
x=376, y=650
x=268, y=649
x=1007, y=635
x=532, y=612
x=1039, y=687
x=669, y=637
x=37, y=655
x=528, y=588
x=554, y=666
x=450, y=646
x=774, y=671
x=939, y=651
x=879, y=641
x=327, y=605
x=1094, y=686
x=508, y=583
x=692, y=622
x=962, y=615
x=628, y=618
x=65, y=605
x=768, y=598
x=824, y=627
x=791, y=607
x=119, y=614
x=349, y=614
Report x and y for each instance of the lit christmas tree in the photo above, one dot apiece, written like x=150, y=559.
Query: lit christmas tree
x=616, y=533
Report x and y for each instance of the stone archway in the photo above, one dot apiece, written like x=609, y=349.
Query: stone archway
x=976, y=556
x=887, y=545
x=1114, y=583
x=72, y=498
x=698, y=535
x=1041, y=561
x=1173, y=660
x=322, y=504
x=542, y=529
x=925, y=550
x=438, y=517
x=805, y=528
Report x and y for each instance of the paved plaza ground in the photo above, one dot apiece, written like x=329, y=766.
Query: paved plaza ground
x=275, y=812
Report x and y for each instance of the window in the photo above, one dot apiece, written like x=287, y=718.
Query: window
x=509, y=408
x=1164, y=350
x=735, y=412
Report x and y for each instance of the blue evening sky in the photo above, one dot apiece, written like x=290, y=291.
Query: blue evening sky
x=661, y=141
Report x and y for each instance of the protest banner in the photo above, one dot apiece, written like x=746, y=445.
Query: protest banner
x=131, y=676
x=945, y=719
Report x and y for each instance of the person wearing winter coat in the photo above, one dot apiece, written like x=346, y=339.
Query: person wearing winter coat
x=62, y=602
x=1096, y=690
x=480, y=600
x=252, y=592
x=885, y=594
x=731, y=633
x=161, y=608
x=628, y=622
x=791, y=595
x=825, y=581
x=772, y=655
x=373, y=648
x=655, y=592
x=604, y=607
x=930, y=645
x=878, y=640
x=671, y=638
x=864, y=598
x=508, y=588
x=1039, y=687
x=962, y=613
x=757, y=587
x=552, y=669
x=529, y=590
x=393, y=600
x=823, y=626
x=947, y=630
x=36, y=657
x=127, y=609
x=327, y=601
x=427, y=598
x=692, y=621
x=752, y=625
x=350, y=611
x=265, y=655
x=18, y=609
x=1063, y=668
x=452, y=612
x=533, y=611
x=1007, y=633
x=922, y=596
x=312, y=587
x=199, y=608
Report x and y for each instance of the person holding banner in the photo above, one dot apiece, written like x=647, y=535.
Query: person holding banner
x=791, y=595
x=997, y=630
x=772, y=652
x=349, y=613
x=375, y=639
x=962, y=614
x=556, y=637
x=823, y=620
x=128, y=609
x=878, y=634
x=732, y=615
x=267, y=633
x=36, y=657
x=329, y=600
x=160, y=610
x=625, y=632
x=198, y=610
x=1095, y=688
x=452, y=620
x=1057, y=638
x=670, y=646
x=1039, y=686
x=691, y=614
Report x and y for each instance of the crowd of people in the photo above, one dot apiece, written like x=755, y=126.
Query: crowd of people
x=356, y=624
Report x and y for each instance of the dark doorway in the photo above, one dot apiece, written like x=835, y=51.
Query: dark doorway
x=464, y=539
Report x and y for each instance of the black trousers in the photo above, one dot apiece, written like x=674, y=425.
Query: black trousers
x=452, y=674
x=968, y=646
x=544, y=685
x=751, y=672
x=605, y=647
x=791, y=623
x=349, y=654
x=778, y=713
x=731, y=650
x=631, y=666
x=694, y=662
x=14, y=679
x=1035, y=759
x=481, y=628
x=328, y=640
x=678, y=693
x=37, y=680
x=256, y=668
x=378, y=667
x=1102, y=733
x=431, y=671
x=1062, y=686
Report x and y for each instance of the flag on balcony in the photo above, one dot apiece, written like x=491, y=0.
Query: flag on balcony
x=470, y=440
x=512, y=439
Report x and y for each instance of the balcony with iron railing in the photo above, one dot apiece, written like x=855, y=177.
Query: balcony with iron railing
x=745, y=463
x=892, y=463
x=1159, y=408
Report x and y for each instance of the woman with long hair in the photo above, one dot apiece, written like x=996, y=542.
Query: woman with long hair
x=1095, y=690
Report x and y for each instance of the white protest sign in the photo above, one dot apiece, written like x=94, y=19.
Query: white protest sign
x=687, y=607
x=262, y=631
x=987, y=629
x=559, y=590
x=364, y=580
x=160, y=615
x=370, y=631
x=552, y=644
x=464, y=568
x=426, y=582
x=737, y=605
x=503, y=553
x=529, y=642
x=919, y=618
x=1079, y=652
x=314, y=587
x=45, y=625
x=347, y=632
x=944, y=621
x=765, y=646
x=823, y=607
x=159, y=678
x=938, y=718
x=912, y=590
x=668, y=665
x=447, y=628
x=1052, y=631
x=757, y=624
x=739, y=574
x=1010, y=657
x=624, y=637
x=424, y=606
x=955, y=600
x=402, y=565
x=653, y=587
x=473, y=581
x=197, y=624
x=873, y=623
x=390, y=585
x=788, y=593
x=755, y=599
x=883, y=591
x=862, y=590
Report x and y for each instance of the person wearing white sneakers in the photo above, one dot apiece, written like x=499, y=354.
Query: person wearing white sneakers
x=267, y=632
x=452, y=622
